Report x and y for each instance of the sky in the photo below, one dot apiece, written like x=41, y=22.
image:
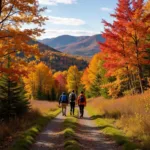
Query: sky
x=76, y=17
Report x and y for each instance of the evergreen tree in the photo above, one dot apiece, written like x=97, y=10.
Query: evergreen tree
x=95, y=87
x=13, y=102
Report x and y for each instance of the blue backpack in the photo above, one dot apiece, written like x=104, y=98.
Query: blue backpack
x=64, y=99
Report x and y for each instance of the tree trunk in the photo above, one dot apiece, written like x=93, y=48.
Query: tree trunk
x=0, y=7
x=140, y=78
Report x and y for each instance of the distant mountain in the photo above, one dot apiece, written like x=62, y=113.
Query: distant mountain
x=82, y=45
x=59, y=61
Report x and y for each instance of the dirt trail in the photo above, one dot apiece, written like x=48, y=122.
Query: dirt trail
x=90, y=137
x=52, y=136
x=87, y=133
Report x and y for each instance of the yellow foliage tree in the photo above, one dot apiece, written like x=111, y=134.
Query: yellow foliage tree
x=93, y=67
x=73, y=79
x=90, y=73
x=39, y=82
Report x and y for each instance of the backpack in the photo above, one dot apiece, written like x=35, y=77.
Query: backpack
x=64, y=99
x=82, y=99
x=73, y=97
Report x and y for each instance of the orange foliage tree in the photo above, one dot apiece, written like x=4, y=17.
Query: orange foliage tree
x=126, y=41
x=60, y=82
x=15, y=17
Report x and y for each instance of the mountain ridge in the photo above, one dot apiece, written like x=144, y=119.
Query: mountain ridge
x=75, y=45
x=59, y=61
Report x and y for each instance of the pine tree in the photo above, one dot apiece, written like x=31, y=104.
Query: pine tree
x=95, y=87
x=13, y=102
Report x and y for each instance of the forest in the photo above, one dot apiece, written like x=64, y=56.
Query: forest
x=116, y=80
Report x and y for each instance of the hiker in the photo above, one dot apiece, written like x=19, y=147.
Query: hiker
x=82, y=103
x=72, y=99
x=63, y=100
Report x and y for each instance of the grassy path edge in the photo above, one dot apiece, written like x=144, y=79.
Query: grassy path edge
x=107, y=128
x=28, y=137
x=70, y=125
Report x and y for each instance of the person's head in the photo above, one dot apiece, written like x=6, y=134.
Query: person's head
x=73, y=91
x=63, y=93
x=82, y=92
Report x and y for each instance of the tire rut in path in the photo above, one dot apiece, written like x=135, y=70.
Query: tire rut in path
x=89, y=136
x=51, y=138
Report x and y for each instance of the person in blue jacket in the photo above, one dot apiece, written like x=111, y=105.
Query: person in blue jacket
x=63, y=101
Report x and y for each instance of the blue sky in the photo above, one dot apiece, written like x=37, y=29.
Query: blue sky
x=76, y=17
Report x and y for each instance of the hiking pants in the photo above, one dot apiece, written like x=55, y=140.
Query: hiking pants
x=81, y=110
x=64, y=107
x=72, y=107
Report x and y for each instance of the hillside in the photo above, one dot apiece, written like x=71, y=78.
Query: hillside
x=62, y=40
x=57, y=60
x=82, y=45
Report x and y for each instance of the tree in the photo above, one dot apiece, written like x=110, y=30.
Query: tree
x=60, y=82
x=95, y=89
x=39, y=82
x=85, y=80
x=73, y=79
x=14, y=37
x=13, y=101
x=128, y=38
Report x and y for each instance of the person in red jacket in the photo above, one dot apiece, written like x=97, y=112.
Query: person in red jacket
x=81, y=103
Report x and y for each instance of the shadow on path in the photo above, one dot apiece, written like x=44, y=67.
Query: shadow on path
x=90, y=138
x=51, y=138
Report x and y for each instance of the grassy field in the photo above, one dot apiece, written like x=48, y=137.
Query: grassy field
x=130, y=114
x=41, y=112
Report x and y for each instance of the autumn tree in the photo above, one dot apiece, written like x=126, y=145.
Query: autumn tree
x=85, y=79
x=39, y=82
x=128, y=38
x=73, y=79
x=60, y=82
x=15, y=17
x=94, y=77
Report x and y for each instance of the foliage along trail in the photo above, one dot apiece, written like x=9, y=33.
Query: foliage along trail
x=87, y=134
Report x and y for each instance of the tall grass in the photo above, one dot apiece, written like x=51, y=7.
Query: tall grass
x=132, y=114
x=12, y=129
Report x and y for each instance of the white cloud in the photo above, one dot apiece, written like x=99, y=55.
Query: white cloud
x=106, y=9
x=48, y=10
x=66, y=21
x=57, y=32
x=55, y=2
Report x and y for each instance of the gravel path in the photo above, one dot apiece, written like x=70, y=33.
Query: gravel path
x=90, y=137
x=52, y=136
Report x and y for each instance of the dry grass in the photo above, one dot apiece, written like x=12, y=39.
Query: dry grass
x=44, y=106
x=132, y=114
x=13, y=128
